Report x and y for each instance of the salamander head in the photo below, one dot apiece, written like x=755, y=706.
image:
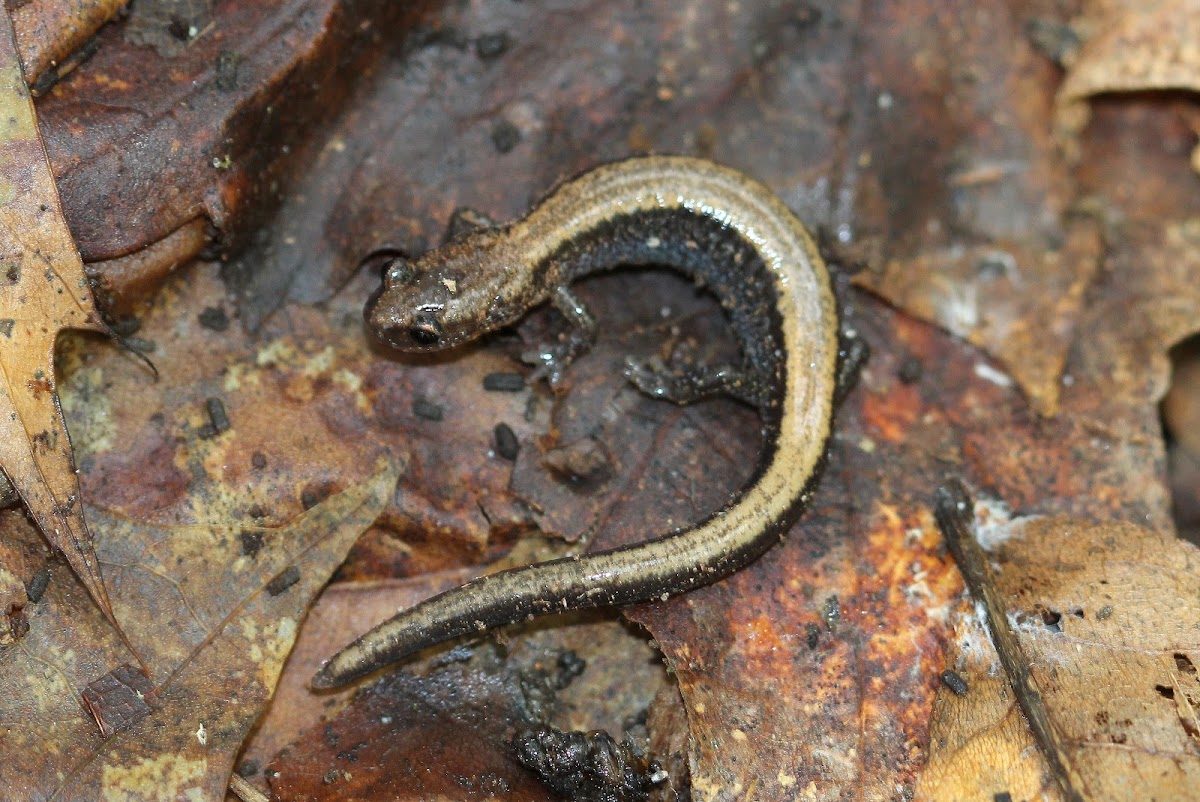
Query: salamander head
x=447, y=297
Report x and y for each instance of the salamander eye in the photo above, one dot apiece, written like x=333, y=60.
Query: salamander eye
x=399, y=272
x=425, y=330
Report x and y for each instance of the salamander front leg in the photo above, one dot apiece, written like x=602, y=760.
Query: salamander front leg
x=553, y=359
x=465, y=221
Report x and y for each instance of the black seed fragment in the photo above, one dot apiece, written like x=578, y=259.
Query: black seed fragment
x=251, y=542
x=910, y=370
x=424, y=408
x=36, y=587
x=492, y=45
x=504, y=382
x=214, y=318
x=955, y=683
x=284, y=581
x=505, y=136
x=570, y=666
x=258, y=460
x=812, y=634
x=216, y=414
x=507, y=445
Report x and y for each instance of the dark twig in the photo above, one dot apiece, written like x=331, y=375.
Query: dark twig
x=955, y=513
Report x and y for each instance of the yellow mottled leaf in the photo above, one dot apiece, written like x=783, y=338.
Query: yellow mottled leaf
x=43, y=290
x=217, y=607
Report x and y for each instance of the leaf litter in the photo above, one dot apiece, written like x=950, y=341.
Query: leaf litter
x=43, y=290
x=1088, y=344
x=216, y=637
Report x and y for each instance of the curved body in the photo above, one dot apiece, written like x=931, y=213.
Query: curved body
x=728, y=233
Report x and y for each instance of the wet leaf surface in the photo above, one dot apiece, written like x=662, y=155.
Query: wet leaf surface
x=165, y=125
x=445, y=731
x=436, y=737
x=51, y=32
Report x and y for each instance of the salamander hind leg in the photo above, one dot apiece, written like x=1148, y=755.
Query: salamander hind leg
x=656, y=380
x=853, y=353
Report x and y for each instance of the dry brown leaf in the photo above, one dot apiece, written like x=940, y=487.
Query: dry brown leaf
x=218, y=608
x=1134, y=47
x=1105, y=617
x=43, y=290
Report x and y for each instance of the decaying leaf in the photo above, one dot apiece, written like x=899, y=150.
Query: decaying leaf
x=43, y=290
x=456, y=718
x=968, y=222
x=1130, y=47
x=343, y=611
x=1104, y=620
x=50, y=31
x=444, y=727
x=611, y=670
x=217, y=619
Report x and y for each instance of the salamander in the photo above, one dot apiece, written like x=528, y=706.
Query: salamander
x=731, y=235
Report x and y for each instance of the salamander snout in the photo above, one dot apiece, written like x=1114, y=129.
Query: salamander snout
x=425, y=330
x=422, y=331
x=405, y=313
x=436, y=302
